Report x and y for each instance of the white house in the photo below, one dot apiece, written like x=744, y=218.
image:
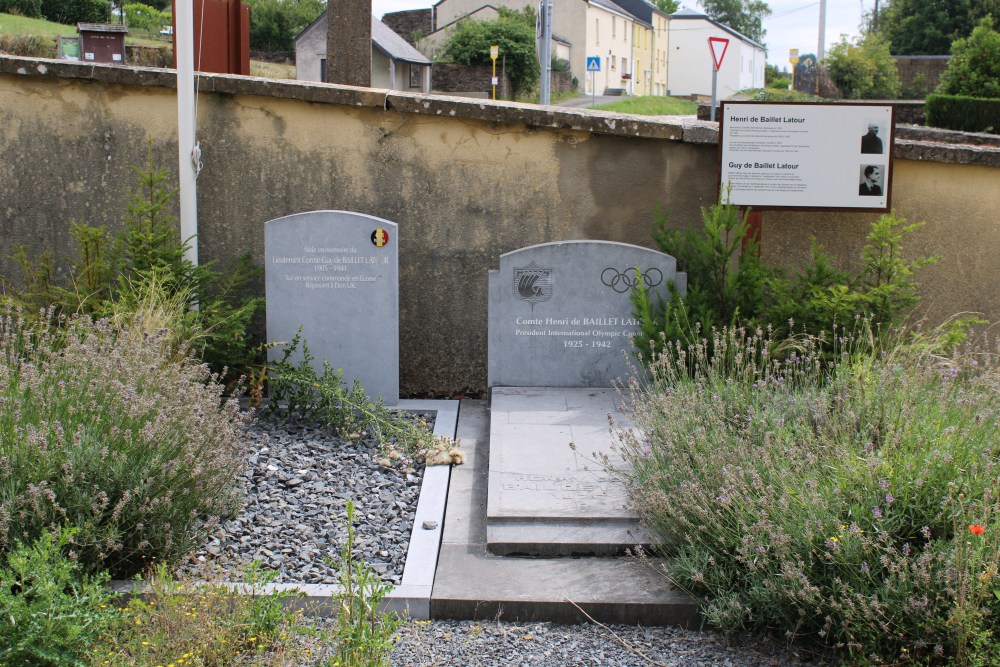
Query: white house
x=395, y=64
x=689, y=62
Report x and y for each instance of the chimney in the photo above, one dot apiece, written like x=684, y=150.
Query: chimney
x=349, y=42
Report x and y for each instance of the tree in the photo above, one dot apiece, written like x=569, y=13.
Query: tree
x=925, y=27
x=275, y=23
x=70, y=12
x=863, y=69
x=667, y=6
x=512, y=32
x=980, y=9
x=974, y=68
x=743, y=16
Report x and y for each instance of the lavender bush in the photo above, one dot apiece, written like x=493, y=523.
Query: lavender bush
x=851, y=501
x=104, y=430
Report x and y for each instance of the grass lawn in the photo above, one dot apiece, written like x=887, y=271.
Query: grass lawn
x=20, y=25
x=11, y=24
x=652, y=105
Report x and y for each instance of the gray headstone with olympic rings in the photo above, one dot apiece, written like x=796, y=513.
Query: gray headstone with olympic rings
x=560, y=314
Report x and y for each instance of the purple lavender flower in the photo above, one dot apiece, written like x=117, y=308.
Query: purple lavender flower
x=876, y=512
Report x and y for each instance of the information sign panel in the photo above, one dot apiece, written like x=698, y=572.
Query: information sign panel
x=593, y=63
x=835, y=156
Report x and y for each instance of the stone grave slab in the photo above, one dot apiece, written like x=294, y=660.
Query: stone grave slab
x=336, y=274
x=549, y=492
x=560, y=313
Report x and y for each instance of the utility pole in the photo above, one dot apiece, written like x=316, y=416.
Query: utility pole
x=349, y=42
x=545, y=50
x=822, y=33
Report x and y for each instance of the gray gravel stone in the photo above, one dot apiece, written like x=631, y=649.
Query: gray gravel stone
x=297, y=483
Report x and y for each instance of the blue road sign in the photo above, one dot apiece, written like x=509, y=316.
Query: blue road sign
x=593, y=63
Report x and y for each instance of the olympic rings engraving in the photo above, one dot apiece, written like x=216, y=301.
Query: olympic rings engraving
x=623, y=281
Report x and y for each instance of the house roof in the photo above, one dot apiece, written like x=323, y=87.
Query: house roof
x=692, y=14
x=394, y=46
x=641, y=9
x=100, y=27
x=384, y=39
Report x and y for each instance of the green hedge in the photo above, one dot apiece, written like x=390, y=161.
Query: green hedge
x=958, y=112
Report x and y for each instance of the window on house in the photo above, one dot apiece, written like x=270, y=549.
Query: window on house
x=624, y=65
x=415, y=75
x=614, y=26
x=613, y=62
x=322, y=70
x=597, y=30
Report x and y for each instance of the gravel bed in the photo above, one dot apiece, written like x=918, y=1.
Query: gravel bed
x=297, y=484
x=492, y=643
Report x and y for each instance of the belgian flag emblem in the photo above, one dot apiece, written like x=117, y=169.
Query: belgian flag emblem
x=380, y=237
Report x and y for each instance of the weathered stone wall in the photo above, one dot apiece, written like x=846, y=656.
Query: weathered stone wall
x=411, y=23
x=467, y=180
x=452, y=78
x=919, y=75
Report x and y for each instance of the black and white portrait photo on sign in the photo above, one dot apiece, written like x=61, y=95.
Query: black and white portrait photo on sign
x=871, y=181
x=870, y=141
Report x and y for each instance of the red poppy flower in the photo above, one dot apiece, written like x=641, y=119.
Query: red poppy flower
x=977, y=529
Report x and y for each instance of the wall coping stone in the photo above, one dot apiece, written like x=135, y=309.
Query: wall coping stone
x=492, y=111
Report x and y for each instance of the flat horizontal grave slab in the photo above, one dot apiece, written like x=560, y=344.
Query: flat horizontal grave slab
x=549, y=491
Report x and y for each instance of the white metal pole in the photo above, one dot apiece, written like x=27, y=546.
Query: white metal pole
x=822, y=31
x=187, y=157
x=715, y=81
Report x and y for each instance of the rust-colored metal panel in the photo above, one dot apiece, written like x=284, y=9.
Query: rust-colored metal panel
x=221, y=36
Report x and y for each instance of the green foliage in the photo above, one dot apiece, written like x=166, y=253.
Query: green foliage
x=967, y=114
x=52, y=613
x=723, y=283
x=205, y=623
x=974, y=68
x=728, y=285
x=470, y=45
x=297, y=390
x=743, y=16
x=71, y=12
x=821, y=297
x=863, y=69
x=980, y=9
x=275, y=23
x=147, y=261
x=102, y=430
x=924, y=27
x=30, y=8
x=827, y=498
x=652, y=105
x=774, y=78
x=141, y=17
x=29, y=46
x=778, y=95
x=363, y=636
x=668, y=6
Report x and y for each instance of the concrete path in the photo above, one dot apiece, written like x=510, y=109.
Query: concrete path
x=472, y=583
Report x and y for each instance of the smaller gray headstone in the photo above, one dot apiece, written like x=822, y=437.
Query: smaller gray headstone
x=336, y=274
x=560, y=314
